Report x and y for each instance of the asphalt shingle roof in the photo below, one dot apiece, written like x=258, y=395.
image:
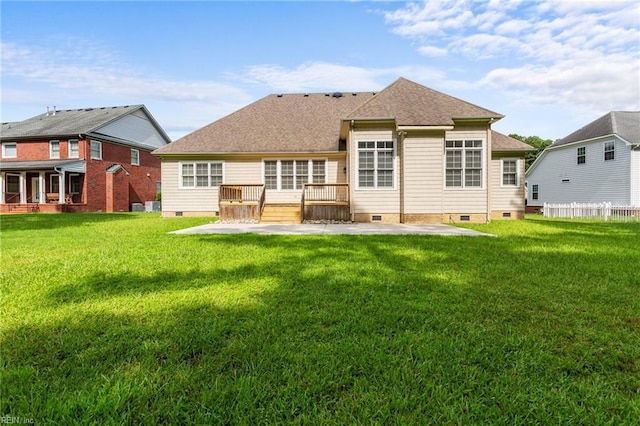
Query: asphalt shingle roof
x=276, y=123
x=69, y=122
x=412, y=104
x=625, y=124
x=311, y=122
x=500, y=142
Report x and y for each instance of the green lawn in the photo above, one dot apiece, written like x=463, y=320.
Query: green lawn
x=107, y=319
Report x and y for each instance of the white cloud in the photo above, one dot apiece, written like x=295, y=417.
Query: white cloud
x=581, y=54
x=312, y=76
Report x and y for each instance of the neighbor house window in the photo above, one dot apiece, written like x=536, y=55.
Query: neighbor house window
x=96, y=150
x=376, y=165
x=54, y=183
x=13, y=184
x=582, y=155
x=201, y=175
x=54, y=149
x=534, y=192
x=135, y=157
x=463, y=163
x=9, y=150
x=609, y=151
x=510, y=172
x=293, y=174
x=74, y=149
x=74, y=184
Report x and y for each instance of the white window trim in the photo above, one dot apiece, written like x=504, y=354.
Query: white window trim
x=375, y=186
x=77, y=142
x=578, y=155
x=4, y=150
x=208, y=162
x=483, y=172
x=54, y=178
x=517, y=184
x=52, y=143
x=604, y=149
x=70, y=176
x=279, y=172
x=6, y=182
x=137, y=163
x=91, y=150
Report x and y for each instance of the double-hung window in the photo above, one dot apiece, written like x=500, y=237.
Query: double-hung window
x=135, y=157
x=509, y=172
x=9, y=150
x=581, y=153
x=609, y=150
x=201, y=174
x=74, y=148
x=463, y=163
x=96, y=150
x=54, y=149
x=376, y=165
x=534, y=192
x=287, y=175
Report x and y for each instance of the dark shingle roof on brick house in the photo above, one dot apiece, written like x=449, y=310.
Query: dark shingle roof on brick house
x=73, y=122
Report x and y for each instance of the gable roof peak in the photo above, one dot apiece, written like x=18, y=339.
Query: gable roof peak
x=412, y=104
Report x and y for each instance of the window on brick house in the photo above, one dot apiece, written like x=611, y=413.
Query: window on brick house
x=74, y=148
x=9, y=150
x=135, y=157
x=54, y=149
x=96, y=150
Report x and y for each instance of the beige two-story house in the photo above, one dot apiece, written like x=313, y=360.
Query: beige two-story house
x=406, y=154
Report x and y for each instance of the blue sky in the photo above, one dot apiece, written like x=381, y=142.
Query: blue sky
x=549, y=66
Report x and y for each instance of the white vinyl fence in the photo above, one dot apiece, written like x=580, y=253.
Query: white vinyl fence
x=603, y=211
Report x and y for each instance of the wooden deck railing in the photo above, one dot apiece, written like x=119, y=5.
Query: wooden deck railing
x=326, y=192
x=325, y=201
x=241, y=201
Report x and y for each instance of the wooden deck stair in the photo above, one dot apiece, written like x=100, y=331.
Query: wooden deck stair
x=281, y=213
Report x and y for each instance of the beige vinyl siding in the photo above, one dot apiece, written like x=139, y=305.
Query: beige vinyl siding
x=240, y=170
x=506, y=198
x=423, y=173
x=374, y=201
x=175, y=199
x=465, y=200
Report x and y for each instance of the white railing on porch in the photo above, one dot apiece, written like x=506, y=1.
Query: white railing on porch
x=602, y=211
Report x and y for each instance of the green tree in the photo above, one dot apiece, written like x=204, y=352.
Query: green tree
x=535, y=141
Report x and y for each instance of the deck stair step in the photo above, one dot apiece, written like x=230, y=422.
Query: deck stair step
x=280, y=213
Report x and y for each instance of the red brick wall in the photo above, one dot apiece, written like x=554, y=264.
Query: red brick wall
x=141, y=182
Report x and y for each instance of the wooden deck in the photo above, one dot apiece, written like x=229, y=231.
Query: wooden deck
x=318, y=202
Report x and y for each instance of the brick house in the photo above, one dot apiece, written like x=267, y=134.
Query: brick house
x=80, y=160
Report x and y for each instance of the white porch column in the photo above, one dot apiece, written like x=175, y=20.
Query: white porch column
x=23, y=187
x=1, y=188
x=61, y=187
x=42, y=196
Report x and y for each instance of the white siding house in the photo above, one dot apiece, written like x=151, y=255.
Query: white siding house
x=598, y=163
